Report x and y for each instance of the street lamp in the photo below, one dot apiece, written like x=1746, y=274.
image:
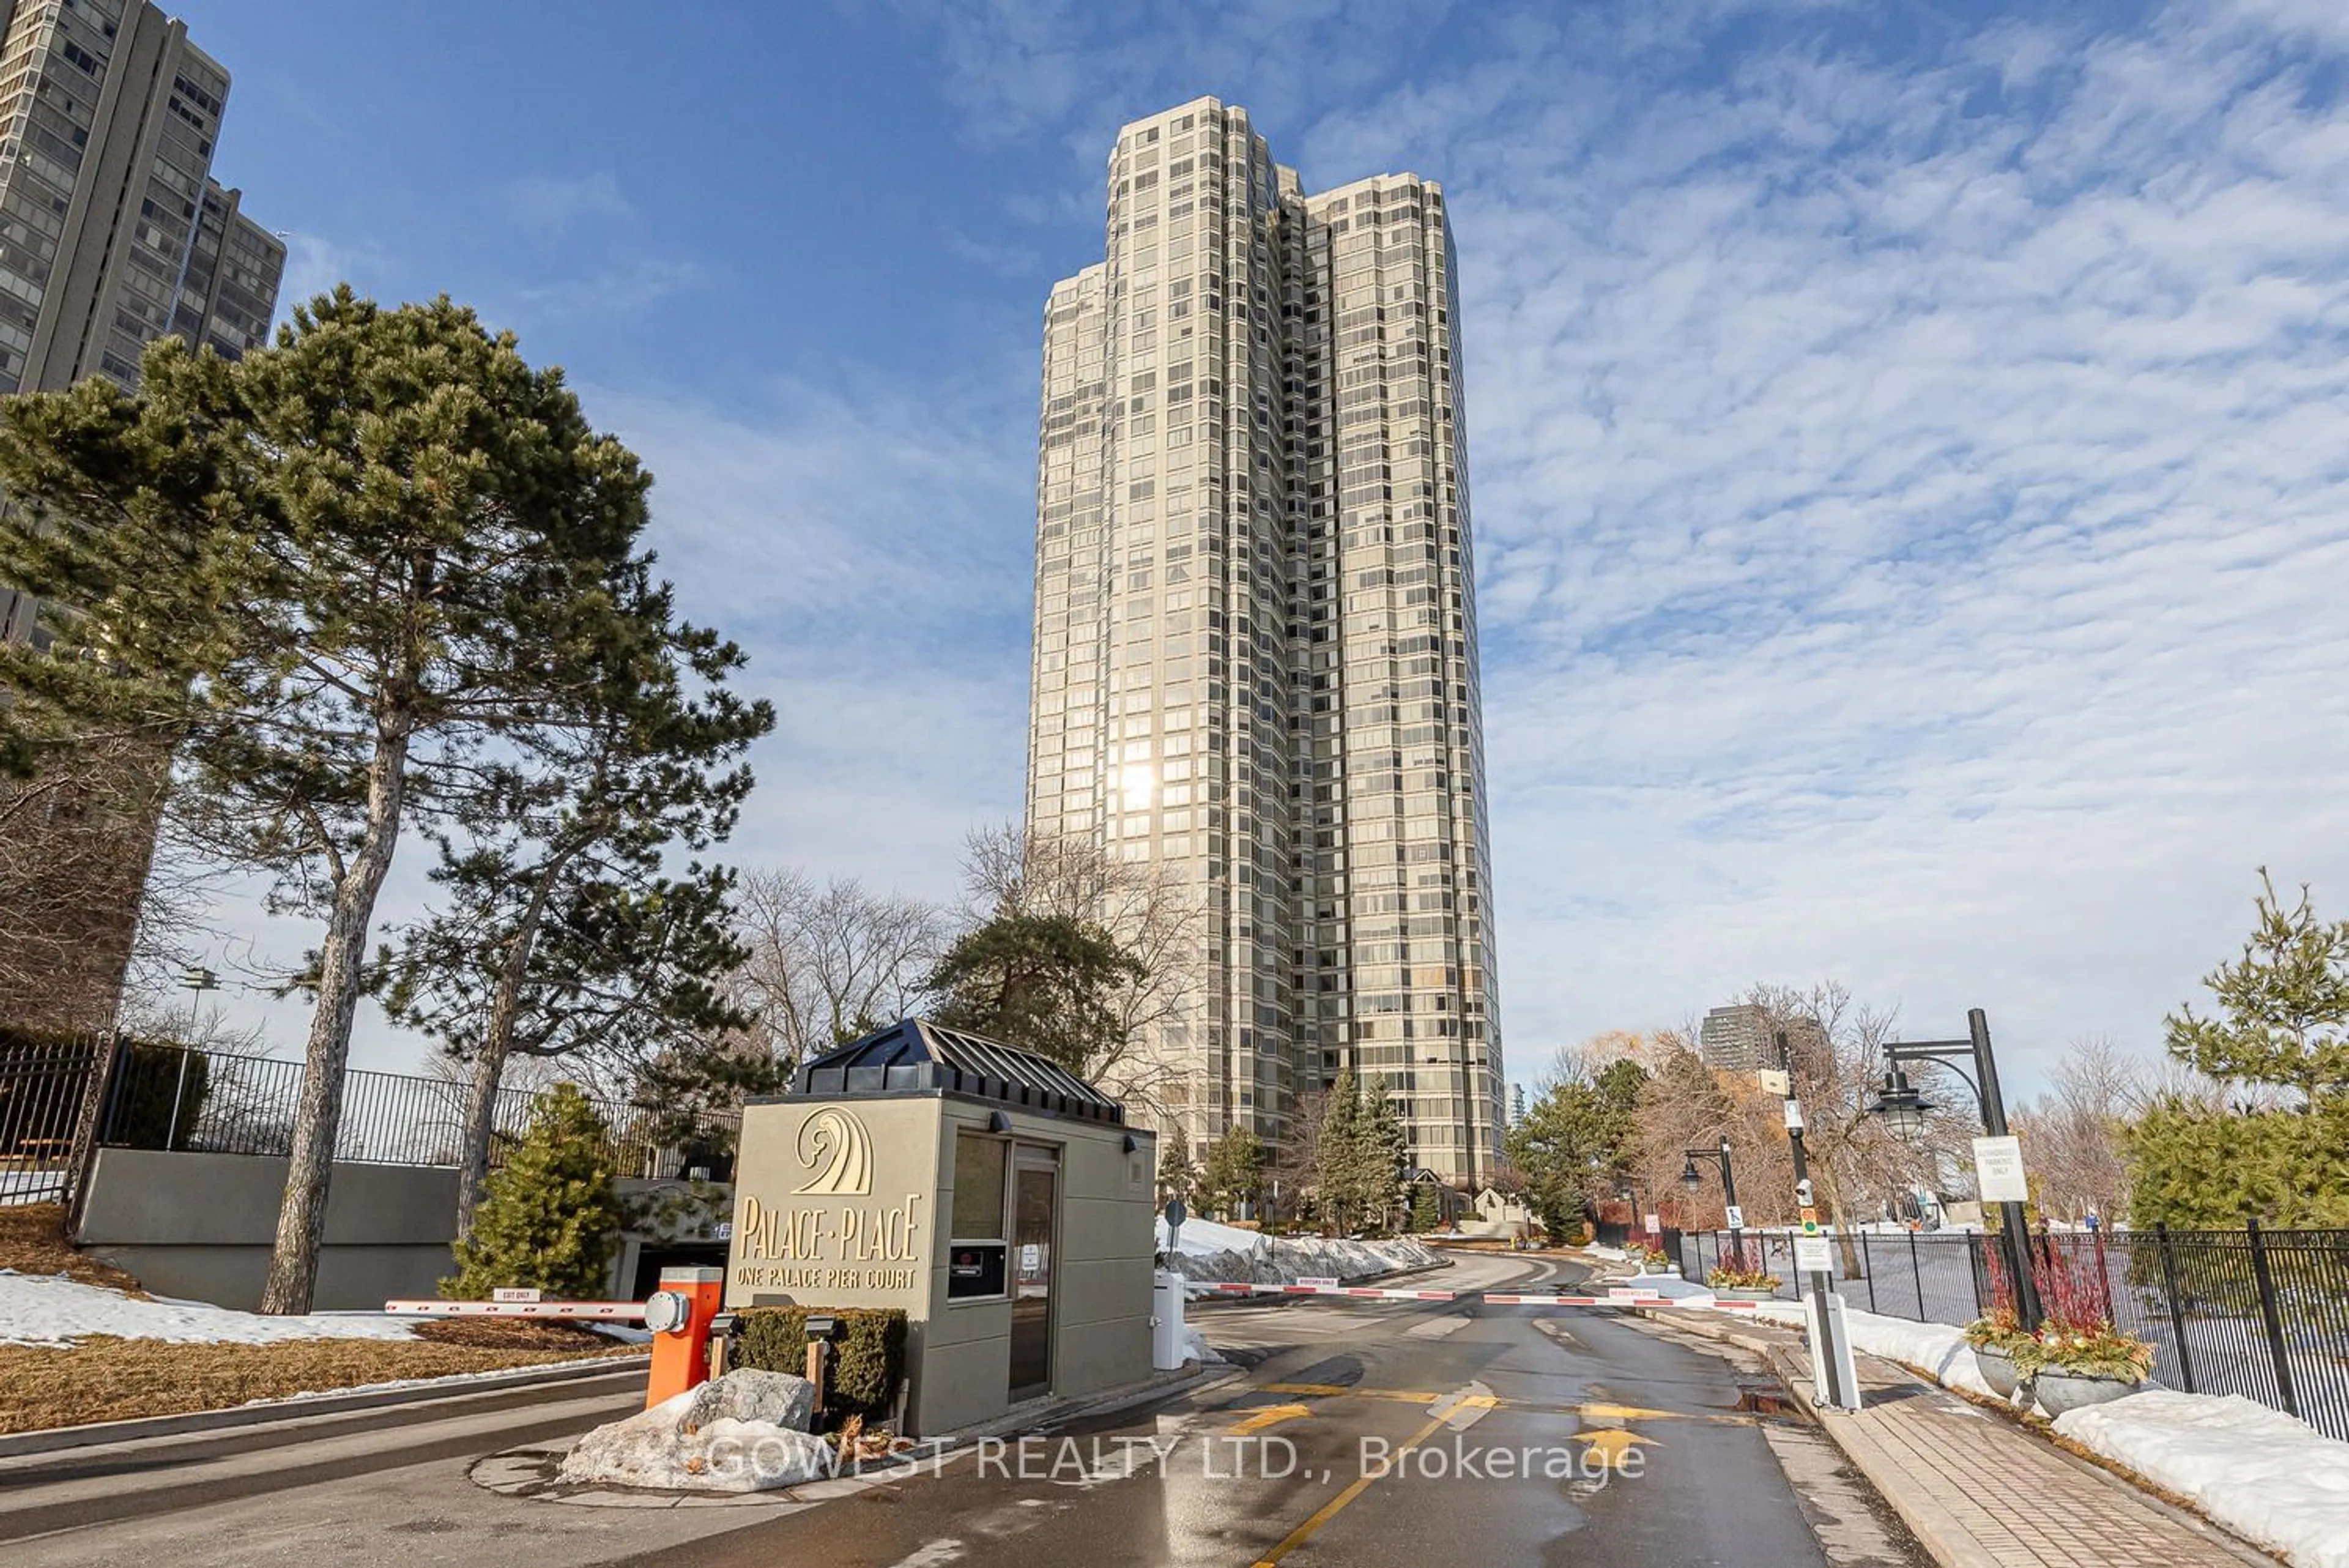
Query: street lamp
x=1902, y=1107
x=1904, y=1111
x=1692, y=1179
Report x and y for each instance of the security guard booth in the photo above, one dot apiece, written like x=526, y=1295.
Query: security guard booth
x=999, y=1200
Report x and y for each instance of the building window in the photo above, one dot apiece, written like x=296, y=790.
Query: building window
x=975, y=1243
x=980, y=1164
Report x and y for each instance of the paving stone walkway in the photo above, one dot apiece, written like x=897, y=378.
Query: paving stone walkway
x=1979, y=1491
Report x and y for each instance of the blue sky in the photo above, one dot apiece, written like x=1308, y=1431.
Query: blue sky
x=1907, y=440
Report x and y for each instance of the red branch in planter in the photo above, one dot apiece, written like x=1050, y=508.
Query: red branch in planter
x=2003, y=1313
x=2072, y=1297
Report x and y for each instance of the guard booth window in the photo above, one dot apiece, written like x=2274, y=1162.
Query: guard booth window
x=975, y=1248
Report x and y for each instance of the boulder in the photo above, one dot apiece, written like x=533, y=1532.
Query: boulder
x=777, y=1398
x=742, y=1432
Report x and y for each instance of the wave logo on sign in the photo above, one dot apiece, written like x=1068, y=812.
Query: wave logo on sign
x=836, y=1148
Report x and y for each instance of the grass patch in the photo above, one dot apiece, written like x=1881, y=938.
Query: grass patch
x=108, y=1379
x=516, y=1334
x=33, y=1242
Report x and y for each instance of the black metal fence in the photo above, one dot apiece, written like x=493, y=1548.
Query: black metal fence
x=2263, y=1314
x=42, y=1085
x=174, y=1098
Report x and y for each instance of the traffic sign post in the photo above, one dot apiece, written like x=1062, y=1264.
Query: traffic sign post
x=1834, y=1375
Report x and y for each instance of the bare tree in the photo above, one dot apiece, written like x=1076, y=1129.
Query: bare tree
x=77, y=837
x=2071, y=1137
x=826, y=962
x=1858, y=1171
x=1147, y=912
x=1685, y=1104
x=1289, y=1176
x=151, y=1013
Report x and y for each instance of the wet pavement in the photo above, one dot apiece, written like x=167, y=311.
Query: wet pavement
x=1362, y=1433
x=1351, y=1432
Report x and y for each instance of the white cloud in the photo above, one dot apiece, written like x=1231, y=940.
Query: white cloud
x=557, y=202
x=314, y=264
x=1910, y=535
x=616, y=290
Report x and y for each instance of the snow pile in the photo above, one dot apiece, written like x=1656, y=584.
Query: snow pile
x=1196, y=1348
x=1672, y=1287
x=742, y=1432
x=1935, y=1349
x=2263, y=1475
x=1211, y=1251
x=1611, y=1254
x=49, y=1309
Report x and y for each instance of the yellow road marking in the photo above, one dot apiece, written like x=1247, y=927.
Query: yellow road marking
x=1628, y=1413
x=1594, y=1411
x=1329, y=1510
x=1271, y=1416
x=1611, y=1444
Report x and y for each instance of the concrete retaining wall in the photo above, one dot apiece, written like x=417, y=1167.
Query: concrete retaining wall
x=201, y=1226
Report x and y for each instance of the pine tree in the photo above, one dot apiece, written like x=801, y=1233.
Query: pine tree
x=348, y=573
x=2286, y=1005
x=1337, y=1155
x=1177, y=1176
x=1234, y=1172
x=1426, y=1211
x=562, y=928
x=549, y=1218
x=2284, y=1026
x=1383, y=1159
x=1047, y=983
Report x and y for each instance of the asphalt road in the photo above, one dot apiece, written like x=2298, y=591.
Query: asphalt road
x=1370, y=1435
x=1360, y=1434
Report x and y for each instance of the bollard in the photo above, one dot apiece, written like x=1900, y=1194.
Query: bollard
x=679, y=1314
x=822, y=1328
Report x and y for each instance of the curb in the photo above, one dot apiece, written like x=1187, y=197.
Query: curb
x=54, y=1439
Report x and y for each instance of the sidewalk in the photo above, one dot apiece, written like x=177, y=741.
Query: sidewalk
x=1978, y=1491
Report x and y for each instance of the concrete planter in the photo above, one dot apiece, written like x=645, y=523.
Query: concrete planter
x=2058, y=1390
x=1998, y=1369
x=1742, y=1293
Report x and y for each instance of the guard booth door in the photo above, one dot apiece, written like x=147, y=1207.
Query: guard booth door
x=1035, y=1203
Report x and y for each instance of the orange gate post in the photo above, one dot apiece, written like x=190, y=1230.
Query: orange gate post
x=681, y=1330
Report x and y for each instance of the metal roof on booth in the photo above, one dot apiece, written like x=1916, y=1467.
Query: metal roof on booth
x=913, y=1055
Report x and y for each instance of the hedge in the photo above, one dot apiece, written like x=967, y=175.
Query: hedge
x=868, y=1359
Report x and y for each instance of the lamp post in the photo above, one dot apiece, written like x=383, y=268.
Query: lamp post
x=1904, y=1111
x=1627, y=1190
x=1834, y=1375
x=195, y=981
x=1692, y=1179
